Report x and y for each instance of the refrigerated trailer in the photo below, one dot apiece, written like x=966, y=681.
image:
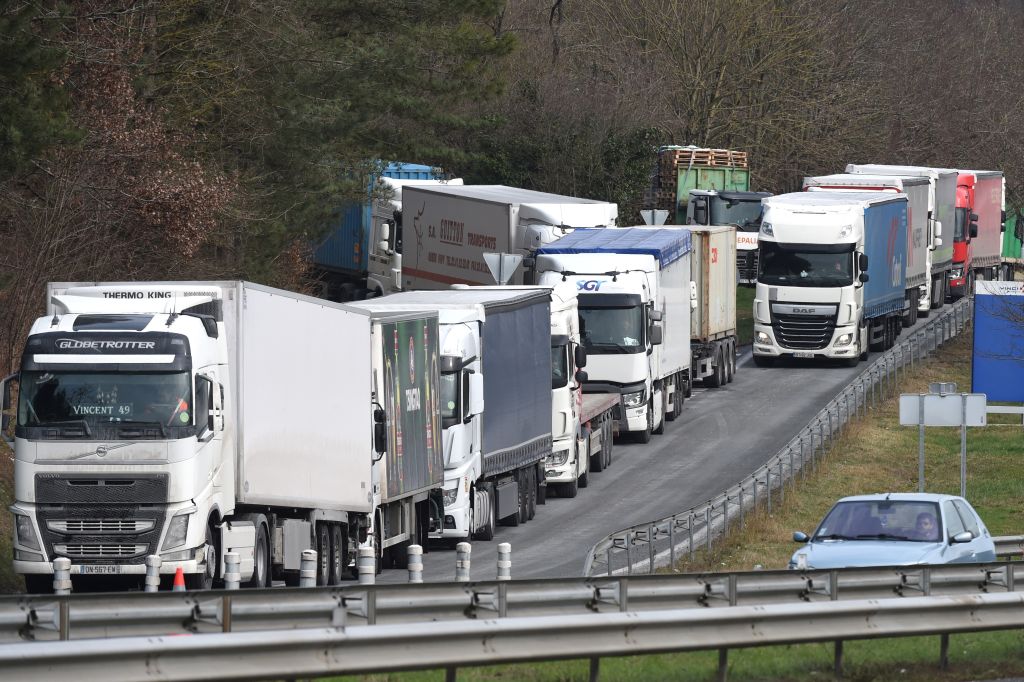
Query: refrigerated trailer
x=188, y=419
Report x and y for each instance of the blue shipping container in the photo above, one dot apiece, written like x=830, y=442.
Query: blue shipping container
x=347, y=247
x=885, y=243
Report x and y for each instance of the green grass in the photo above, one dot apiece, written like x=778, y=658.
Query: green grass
x=745, y=314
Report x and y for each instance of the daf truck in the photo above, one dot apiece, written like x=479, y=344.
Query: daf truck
x=634, y=305
x=452, y=228
x=188, y=419
x=942, y=202
x=831, y=276
x=920, y=229
x=495, y=397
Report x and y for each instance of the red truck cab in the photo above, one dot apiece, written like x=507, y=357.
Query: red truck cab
x=965, y=228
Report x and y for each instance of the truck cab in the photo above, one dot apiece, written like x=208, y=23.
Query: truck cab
x=710, y=207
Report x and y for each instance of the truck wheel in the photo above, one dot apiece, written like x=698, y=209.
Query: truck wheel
x=323, y=554
x=485, y=496
x=609, y=442
x=730, y=364
x=570, y=489
x=645, y=435
x=664, y=408
x=597, y=460
x=522, y=479
x=585, y=459
x=337, y=554
x=676, y=390
x=204, y=580
x=715, y=379
x=531, y=476
x=260, y=555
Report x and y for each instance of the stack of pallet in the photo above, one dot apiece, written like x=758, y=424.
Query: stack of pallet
x=673, y=159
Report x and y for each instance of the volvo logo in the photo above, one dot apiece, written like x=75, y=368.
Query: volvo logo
x=100, y=451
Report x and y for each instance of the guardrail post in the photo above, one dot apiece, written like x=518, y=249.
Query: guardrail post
x=650, y=549
x=153, y=562
x=672, y=543
x=837, y=667
x=768, y=487
x=689, y=527
x=366, y=565
x=595, y=669
x=307, y=568
x=415, y=554
x=741, y=505
x=232, y=574
x=504, y=561
x=462, y=559
x=782, y=484
x=707, y=527
x=62, y=575
x=723, y=665
x=944, y=651
x=754, y=477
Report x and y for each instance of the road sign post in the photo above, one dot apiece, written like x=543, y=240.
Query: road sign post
x=943, y=407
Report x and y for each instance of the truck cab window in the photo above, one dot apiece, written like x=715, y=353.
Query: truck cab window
x=559, y=366
x=960, y=225
x=451, y=412
x=612, y=330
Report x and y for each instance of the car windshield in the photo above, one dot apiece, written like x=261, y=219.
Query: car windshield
x=745, y=215
x=805, y=265
x=96, y=398
x=612, y=330
x=913, y=521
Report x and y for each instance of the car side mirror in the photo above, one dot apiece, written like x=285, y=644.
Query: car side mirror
x=580, y=356
x=800, y=536
x=655, y=335
x=965, y=536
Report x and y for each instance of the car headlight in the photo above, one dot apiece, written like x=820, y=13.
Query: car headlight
x=761, y=337
x=633, y=399
x=767, y=230
x=450, y=495
x=558, y=458
x=26, y=533
x=177, y=531
x=844, y=340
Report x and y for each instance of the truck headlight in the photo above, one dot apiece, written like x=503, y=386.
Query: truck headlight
x=767, y=230
x=761, y=337
x=956, y=273
x=844, y=340
x=633, y=399
x=26, y=533
x=451, y=495
x=177, y=531
x=559, y=457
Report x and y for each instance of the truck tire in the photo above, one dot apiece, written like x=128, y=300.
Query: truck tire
x=585, y=459
x=204, y=581
x=664, y=408
x=570, y=489
x=261, y=555
x=715, y=379
x=609, y=442
x=523, y=480
x=338, y=555
x=645, y=435
x=730, y=363
x=323, y=553
x=486, y=497
x=531, y=489
x=597, y=461
x=677, y=390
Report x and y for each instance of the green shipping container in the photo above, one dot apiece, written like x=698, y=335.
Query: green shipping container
x=722, y=178
x=1012, y=237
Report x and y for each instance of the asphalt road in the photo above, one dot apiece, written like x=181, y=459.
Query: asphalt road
x=722, y=435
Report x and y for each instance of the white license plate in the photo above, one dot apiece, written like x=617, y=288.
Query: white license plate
x=97, y=570
x=803, y=355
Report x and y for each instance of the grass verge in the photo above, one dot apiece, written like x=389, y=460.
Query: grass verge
x=873, y=455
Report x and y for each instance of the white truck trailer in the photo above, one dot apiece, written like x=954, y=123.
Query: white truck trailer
x=634, y=307
x=942, y=203
x=495, y=402
x=187, y=419
x=920, y=228
x=453, y=227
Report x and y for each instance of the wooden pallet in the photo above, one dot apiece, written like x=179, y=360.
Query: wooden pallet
x=670, y=159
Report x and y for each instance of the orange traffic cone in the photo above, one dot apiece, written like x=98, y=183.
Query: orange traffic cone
x=179, y=580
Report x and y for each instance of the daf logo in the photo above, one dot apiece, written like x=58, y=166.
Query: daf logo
x=803, y=311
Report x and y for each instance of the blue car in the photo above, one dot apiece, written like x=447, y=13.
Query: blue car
x=896, y=529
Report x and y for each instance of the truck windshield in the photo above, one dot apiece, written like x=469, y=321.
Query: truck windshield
x=805, y=265
x=745, y=215
x=559, y=366
x=95, y=399
x=960, y=225
x=612, y=330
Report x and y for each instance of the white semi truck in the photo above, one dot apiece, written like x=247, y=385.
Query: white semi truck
x=942, y=204
x=187, y=419
x=634, y=289
x=453, y=227
x=920, y=229
x=831, y=273
x=495, y=402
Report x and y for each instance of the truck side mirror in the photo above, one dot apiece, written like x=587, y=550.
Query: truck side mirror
x=864, y=277
x=476, y=394
x=581, y=376
x=975, y=217
x=385, y=231
x=8, y=403
x=656, y=315
x=938, y=228
x=7, y=383
x=974, y=230
x=655, y=335
x=380, y=434
x=862, y=263
x=580, y=356
x=700, y=211
x=383, y=246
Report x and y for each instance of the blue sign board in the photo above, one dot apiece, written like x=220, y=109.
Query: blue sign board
x=998, y=358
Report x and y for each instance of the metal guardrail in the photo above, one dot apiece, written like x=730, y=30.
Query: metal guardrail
x=97, y=616
x=648, y=546
x=313, y=652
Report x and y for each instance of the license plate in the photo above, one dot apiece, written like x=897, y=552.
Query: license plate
x=803, y=355
x=97, y=570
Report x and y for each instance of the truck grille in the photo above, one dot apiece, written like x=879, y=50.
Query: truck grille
x=803, y=332
x=100, y=526
x=99, y=551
